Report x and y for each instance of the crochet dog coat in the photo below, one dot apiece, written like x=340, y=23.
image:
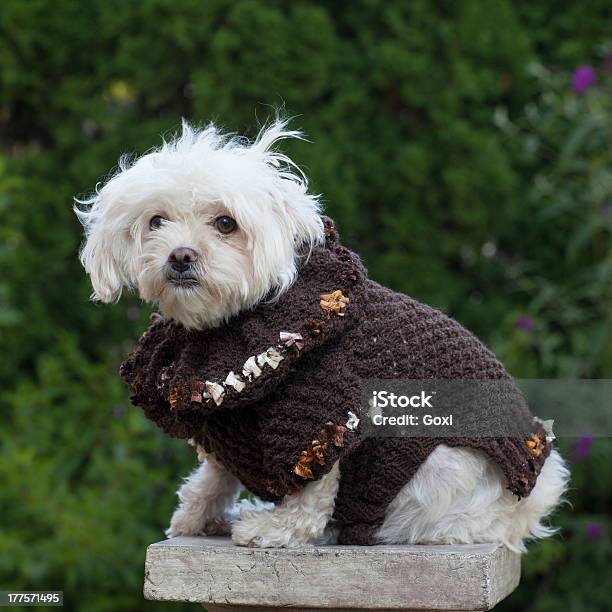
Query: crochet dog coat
x=270, y=392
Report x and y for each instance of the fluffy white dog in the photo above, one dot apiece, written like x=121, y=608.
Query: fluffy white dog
x=207, y=226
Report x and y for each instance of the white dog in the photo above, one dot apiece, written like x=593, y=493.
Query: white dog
x=207, y=226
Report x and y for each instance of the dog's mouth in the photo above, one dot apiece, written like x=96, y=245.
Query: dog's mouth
x=182, y=281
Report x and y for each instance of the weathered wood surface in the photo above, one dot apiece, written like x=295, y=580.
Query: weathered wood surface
x=214, y=571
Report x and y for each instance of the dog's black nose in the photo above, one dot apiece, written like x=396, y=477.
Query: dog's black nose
x=181, y=258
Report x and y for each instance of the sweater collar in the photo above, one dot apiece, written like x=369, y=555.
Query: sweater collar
x=251, y=354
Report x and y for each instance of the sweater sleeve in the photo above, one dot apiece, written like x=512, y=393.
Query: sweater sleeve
x=145, y=370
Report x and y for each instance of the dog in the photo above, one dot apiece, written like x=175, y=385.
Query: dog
x=207, y=227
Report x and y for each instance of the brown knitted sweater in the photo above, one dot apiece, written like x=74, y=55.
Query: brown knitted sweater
x=269, y=392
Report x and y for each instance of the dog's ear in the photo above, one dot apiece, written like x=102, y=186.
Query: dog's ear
x=302, y=211
x=104, y=252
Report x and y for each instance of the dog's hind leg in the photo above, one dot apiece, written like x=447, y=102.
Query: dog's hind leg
x=203, y=498
x=301, y=518
x=459, y=496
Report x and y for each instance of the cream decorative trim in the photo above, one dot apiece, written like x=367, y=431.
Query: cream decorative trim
x=292, y=339
x=250, y=369
x=235, y=382
x=216, y=391
x=271, y=357
x=547, y=426
x=353, y=421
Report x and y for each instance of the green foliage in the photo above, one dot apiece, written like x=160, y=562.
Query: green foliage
x=86, y=483
x=562, y=142
x=449, y=147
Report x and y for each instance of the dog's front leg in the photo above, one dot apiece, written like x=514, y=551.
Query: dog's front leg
x=301, y=518
x=203, y=497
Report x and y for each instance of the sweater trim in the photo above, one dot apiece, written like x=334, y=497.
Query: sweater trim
x=289, y=347
x=204, y=392
x=331, y=434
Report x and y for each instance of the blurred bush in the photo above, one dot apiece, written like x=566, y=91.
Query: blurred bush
x=557, y=262
x=454, y=144
x=558, y=273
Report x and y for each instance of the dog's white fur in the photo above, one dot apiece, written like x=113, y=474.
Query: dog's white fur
x=457, y=495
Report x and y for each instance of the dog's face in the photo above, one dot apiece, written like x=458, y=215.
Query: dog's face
x=205, y=226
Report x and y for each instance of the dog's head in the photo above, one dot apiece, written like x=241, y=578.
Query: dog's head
x=205, y=226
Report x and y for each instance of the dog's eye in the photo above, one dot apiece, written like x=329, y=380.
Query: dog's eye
x=156, y=222
x=226, y=225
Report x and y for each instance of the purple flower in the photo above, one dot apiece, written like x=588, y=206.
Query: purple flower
x=582, y=448
x=593, y=531
x=584, y=76
x=524, y=323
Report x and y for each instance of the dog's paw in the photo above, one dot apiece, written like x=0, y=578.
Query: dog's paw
x=219, y=526
x=266, y=529
x=184, y=523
